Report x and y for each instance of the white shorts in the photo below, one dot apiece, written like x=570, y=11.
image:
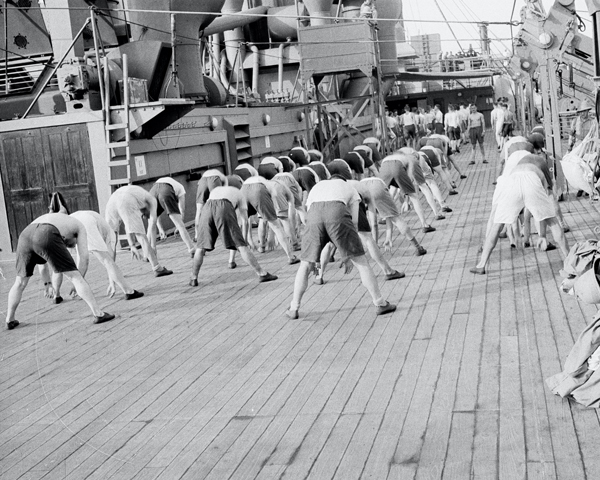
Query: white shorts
x=131, y=215
x=96, y=242
x=521, y=189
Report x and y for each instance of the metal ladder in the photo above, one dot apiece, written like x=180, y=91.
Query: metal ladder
x=115, y=127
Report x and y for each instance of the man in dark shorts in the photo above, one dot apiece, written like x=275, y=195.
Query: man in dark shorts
x=45, y=242
x=378, y=199
x=210, y=179
x=476, y=129
x=170, y=196
x=219, y=219
x=262, y=196
x=395, y=176
x=333, y=217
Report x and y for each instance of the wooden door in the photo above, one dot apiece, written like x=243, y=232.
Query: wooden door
x=36, y=162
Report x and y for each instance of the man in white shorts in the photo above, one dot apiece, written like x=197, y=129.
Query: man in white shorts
x=129, y=204
x=528, y=186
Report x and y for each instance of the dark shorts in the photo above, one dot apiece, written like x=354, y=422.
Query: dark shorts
x=267, y=170
x=439, y=128
x=507, y=130
x=218, y=218
x=476, y=135
x=394, y=173
x=305, y=178
x=40, y=243
x=433, y=158
x=167, y=200
x=330, y=222
x=454, y=133
x=259, y=201
x=205, y=186
x=363, y=221
x=409, y=131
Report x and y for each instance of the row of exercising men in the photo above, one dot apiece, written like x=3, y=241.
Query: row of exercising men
x=275, y=202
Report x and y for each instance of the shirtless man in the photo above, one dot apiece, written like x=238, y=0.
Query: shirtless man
x=45, y=242
x=529, y=185
x=210, y=179
x=129, y=204
x=170, y=197
x=396, y=177
x=333, y=217
x=452, y=124
x=410, y=160
x=219, y=218
x=476, y=129
x=100, y=244
x=262, y=196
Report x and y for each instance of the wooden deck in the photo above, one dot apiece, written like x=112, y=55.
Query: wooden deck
x=214, y=382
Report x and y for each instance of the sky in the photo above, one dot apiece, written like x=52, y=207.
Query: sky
x=472, y=10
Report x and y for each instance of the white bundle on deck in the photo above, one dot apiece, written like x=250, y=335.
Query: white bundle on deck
x=579, y=164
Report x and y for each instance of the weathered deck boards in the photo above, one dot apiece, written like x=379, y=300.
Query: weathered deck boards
x=215, y=382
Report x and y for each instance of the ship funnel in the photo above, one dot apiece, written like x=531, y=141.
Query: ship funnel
x=387, y=34
x=318, y=8
x=157, y=26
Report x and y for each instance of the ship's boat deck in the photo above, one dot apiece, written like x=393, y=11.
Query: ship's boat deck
x=215, y=382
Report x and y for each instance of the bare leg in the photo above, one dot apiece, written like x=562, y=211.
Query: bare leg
x=418, y=208
x=527, y=227
x=445, y=176
x=250, y=259
x=197, y=264
x=368, y=279
x=300, y=284
x=490, y=242
x=324, y=260
x=558, y=234
x=281, y=238
x=435, y=189
x=369, y=242
x=177, y=220
x=14, y=296
x=429, y=197
x=84, y=291
x=197, y=219
x=149, y=252
x=57, y=280
x=262, y=234
x=113, y=271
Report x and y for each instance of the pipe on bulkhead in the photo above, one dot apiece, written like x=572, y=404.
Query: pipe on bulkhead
x=255, y=67
x=234, y=39
x=317, y=9
x=280, y=70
